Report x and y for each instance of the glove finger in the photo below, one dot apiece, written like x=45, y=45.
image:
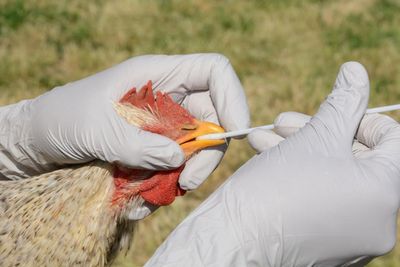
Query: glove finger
x=287, y=123
x=200, y=105
x=226, y=93
x=261, y=140
x=129, y=146
x=201, y=165
x=333, y=128
x=198, y=168
x=382, y=135
x=142, y=212
x=179, y=75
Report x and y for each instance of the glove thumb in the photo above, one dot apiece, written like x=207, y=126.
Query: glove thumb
x=132, y=147
x=333, y=128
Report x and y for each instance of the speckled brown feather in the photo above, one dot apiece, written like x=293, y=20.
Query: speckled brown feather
x=65, y=217
x=62, y=218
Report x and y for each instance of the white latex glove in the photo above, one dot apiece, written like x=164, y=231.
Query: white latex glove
x=307, y=201
x=76, y=123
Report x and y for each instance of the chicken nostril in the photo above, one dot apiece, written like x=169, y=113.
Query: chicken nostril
x=188, y=126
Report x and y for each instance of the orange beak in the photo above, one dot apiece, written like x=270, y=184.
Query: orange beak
x=188, y=142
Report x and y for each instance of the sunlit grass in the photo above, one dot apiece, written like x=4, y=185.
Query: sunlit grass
x=287, y=54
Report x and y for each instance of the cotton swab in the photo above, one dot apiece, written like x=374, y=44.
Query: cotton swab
x=383, y=109
x=244, y=132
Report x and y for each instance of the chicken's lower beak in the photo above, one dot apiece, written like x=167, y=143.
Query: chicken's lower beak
x=190, y=145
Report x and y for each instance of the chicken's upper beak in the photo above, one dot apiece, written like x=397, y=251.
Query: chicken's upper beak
x=188, y=142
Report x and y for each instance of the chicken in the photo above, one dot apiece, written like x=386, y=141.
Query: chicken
x=78, y=216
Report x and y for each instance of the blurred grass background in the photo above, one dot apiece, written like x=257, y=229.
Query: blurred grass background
x=286, y=52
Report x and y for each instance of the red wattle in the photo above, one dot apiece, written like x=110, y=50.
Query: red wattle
x=160, y=189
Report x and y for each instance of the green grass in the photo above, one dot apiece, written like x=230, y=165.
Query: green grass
x=287, y=54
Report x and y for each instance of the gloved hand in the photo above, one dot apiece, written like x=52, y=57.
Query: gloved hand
x=77, y=123
x=308, y=200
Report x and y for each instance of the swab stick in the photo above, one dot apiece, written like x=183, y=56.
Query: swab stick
x=271, y=126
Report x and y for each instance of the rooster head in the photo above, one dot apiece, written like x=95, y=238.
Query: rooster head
x=161, y=115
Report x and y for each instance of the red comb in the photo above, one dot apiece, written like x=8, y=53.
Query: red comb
x=143, y=99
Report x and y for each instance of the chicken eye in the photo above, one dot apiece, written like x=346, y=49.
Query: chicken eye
x=188, y=126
